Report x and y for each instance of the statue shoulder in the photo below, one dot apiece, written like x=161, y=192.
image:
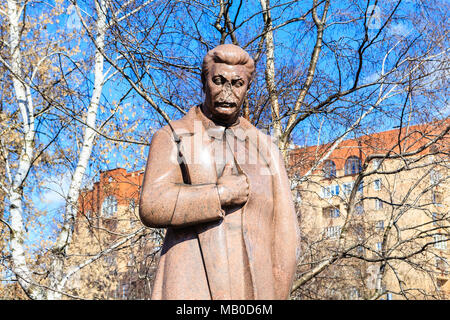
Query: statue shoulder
x=258, y=133
x=180, y=127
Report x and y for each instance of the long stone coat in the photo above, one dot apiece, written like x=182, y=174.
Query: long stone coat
x=193, y=262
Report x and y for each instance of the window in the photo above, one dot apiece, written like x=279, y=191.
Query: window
x=379, y=226
x=436, y=218
x=332, y=212
x=378, y=204
x=359, y=232
x=131, y=260
x=436, y=197
x=132, y=205
x=109, y=206
x=333, y=232
x=328, y=192
x=347, y=187
x=377, y=185
x=359, y=209
x=354, y=294
x=297, y=197
x=440, y=283
x=361, y=187
x=440, y=241
x=125, y=288
x=441, y=264
x=360, y=250
x=379, y=246
x=435, y=176
x=335, y=190
x=329, y=169
x=376, y=164
x=352, y=165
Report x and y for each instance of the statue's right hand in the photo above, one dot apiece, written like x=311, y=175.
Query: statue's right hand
x=233, y=189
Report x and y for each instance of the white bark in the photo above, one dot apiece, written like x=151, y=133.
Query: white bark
x=270, y=74
x=15, y=187
x=15, y=192
x=65, y=236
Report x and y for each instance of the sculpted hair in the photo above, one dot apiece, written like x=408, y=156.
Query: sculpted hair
x=229, y=54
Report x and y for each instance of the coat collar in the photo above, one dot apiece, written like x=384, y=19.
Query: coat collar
x=217, y=131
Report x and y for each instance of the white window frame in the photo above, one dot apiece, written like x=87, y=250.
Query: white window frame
x=333, y=232
x=377, y=184
x=440, y=241
x=379, y=246
x=380, y=225
x=330, y=191
x=435, y=176
x=109, y=206
x=376, y=164
x=378, y=204
x=347, y=187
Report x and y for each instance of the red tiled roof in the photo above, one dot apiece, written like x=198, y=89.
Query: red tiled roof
x=393, y=141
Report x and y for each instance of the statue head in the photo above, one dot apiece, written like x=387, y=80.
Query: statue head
x=226, y=73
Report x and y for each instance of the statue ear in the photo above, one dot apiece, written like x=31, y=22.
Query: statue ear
x=203, y=82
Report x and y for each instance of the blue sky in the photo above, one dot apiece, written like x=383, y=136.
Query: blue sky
x=293, y=36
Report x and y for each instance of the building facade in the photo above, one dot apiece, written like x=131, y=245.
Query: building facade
x=380, y=205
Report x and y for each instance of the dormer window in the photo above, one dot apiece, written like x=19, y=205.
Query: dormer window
x=329, y=169
x=352, y=165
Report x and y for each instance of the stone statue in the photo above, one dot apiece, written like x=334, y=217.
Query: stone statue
x=220, y=187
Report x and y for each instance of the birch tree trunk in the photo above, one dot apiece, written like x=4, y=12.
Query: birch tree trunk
x=270, y=76
x=65, y=236
x=24, y=99
x=281, y=134
x=15, y=192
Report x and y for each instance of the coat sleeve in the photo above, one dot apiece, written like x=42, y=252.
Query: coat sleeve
x=165, y=200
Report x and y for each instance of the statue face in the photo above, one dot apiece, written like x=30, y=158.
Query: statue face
x=225, y=89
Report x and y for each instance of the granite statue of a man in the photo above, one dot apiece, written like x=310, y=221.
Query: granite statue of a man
x=220, y=188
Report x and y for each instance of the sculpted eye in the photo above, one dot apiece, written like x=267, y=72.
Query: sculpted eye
x=237, y=83
x=218, y=80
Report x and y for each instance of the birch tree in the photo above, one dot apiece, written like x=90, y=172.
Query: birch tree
x=24, y=87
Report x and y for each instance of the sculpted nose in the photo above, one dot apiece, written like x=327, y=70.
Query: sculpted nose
x=227, y=91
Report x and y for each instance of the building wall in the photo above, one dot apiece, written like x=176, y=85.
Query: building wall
x=407, y=213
